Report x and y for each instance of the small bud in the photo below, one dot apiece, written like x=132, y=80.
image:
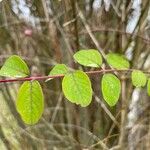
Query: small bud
x=28, y=32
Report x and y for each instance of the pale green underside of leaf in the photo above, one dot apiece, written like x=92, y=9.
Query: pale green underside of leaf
x=14, y=66
x=59, y=69
x=77, y=88
x=117, y=61
x=111, y=88
x=138, y=78
x=90, y=58
x=30, y=103
x=148, y=87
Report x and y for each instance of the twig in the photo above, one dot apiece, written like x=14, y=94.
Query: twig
x=107, y=111
x=57, y=108
x=87, y=27
x=61, y=76
x=84, y=131
x=123, y=115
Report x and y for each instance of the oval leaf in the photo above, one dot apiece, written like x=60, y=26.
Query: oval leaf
x=77, y=88
x=117, y=61
x=111, y=88
x=148, y=87
x=59, y=69
x=90, y=58
x=14, y=66
x=30, y=102
x=138, y=78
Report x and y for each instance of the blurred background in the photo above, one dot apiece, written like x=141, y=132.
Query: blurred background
x=47, y=32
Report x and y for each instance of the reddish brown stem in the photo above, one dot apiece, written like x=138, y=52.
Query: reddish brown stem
x=60, y=76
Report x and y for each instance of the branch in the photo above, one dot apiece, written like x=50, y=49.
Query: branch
x=61, y=76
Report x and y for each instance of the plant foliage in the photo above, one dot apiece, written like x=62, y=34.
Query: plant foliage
x=90, y=58
x=77, y=88
x=76, y=85
x=60, y=69
x=111, y=88
x=14, y=67
x=138, y=78
x=117, y=61
x=30, y=102
x=148, y=87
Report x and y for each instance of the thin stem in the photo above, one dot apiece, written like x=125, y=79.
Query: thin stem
x=60, y=76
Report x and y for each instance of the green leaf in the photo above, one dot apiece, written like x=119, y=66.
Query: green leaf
x=111, y=88
x=90, y=58
x=30, y=102
x=14, y=66
x=117, y=61
x=148, y=87
x=59, y=69
x=77, y=88
x=138, y=78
